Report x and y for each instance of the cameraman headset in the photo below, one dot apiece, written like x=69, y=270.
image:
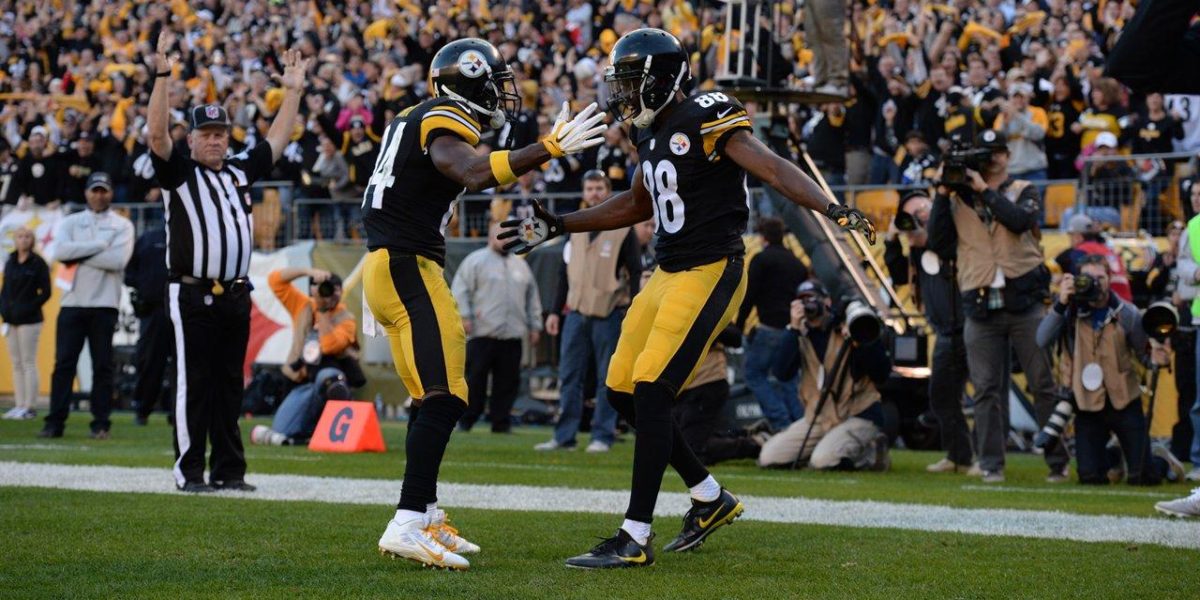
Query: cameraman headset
x=1103, y=336
x=990, y=222
x=936, y=292
x=843, y=418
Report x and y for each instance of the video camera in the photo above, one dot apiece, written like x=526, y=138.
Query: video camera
x=963, y=156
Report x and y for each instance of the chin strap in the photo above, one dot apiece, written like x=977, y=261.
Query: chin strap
x=646, y=116
x=496, y=117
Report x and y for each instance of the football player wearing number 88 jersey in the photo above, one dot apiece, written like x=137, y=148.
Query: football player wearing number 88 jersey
x=426, y=160
x=695, y=153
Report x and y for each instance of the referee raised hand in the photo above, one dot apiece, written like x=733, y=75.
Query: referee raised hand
x=209, y=227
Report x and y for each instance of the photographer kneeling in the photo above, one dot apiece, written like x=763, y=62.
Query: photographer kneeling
x=841, y=428
x=1103, y=336
x=323, y=360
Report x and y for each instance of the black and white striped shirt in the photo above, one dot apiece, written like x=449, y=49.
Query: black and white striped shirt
x=210, y=231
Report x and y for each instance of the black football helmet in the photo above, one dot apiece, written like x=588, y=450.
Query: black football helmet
x=473, y=72
x=646, y=68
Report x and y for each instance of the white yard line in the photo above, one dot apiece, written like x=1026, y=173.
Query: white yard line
x=919, y=517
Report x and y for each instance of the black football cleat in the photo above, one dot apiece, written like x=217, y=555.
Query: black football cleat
x=703, y=519
x=195, y=487
x=237, y=485
x=617, y=552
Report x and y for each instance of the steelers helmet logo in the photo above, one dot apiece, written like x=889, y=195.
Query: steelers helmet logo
x=471, y=64
x=680, y=144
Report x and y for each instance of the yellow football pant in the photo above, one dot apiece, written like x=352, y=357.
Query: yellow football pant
x=409, y=297
x=672, y=323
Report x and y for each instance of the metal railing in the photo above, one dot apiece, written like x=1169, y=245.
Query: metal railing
x=1131, y=193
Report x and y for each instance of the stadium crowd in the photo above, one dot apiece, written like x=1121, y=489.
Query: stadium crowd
x=924, y=78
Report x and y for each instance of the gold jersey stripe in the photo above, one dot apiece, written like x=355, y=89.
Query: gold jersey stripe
x=725, y=119
x=713, y=134
x=434, y=122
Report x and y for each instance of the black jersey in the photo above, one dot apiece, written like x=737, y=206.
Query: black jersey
x=408, y=201
x=700, y=197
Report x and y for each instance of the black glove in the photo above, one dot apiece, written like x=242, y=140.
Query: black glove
x=851, y=219
x=530, y=231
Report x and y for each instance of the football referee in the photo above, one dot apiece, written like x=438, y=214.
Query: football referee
x=209, y=240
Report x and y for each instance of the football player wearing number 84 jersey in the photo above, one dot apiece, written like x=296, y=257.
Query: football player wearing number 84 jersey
x=695, y=153
x=425, y=161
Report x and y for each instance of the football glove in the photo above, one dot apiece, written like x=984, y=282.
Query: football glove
x=851, y=219
x=530, y=231
x=569, y=136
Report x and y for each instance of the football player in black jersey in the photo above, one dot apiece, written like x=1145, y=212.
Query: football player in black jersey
x=694, y=154
x=426, y=159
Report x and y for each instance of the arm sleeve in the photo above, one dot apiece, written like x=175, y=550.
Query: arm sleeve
x=897, y=262
x=171, y=172
x=66, y=249
x=630, y=258
x=337, y=341
x=256, y=162
x=787, y=361
x=115, y=255
x=943, y=236
x=1049, y=328
x=1017, y=217
x=753, y=283
x=1135, y=336
x=533, y=302
x=461, y=288
x=560, y=290
x=448, y=119
x=291, y=298
x=43, y=278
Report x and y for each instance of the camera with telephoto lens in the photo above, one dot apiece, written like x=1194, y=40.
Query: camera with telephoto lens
x=1086, y=290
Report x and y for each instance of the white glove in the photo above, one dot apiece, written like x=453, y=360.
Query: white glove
x=576, y=135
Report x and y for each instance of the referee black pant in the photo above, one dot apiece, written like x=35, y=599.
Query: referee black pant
x=211, y=332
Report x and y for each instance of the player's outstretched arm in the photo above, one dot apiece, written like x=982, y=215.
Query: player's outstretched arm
x=158, y=116
x=292, y=80
x=620, y=210
x=779, y=173
x=457, y=159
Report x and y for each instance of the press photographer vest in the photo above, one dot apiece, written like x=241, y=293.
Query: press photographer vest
x=856, y=395
x=984, y=247
x=1107, y=348
x=593, y=287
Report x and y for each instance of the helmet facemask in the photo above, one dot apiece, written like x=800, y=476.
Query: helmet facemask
x=637, y=94
x=497, y=100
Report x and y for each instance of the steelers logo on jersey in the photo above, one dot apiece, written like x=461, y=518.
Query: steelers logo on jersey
x=680, y=144
x=471, y=64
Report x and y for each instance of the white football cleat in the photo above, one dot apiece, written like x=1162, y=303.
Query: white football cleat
x=411, y=541
x=1183, y=507
x=446, y=535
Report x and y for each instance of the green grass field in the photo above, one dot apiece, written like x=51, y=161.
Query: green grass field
x=59, y=543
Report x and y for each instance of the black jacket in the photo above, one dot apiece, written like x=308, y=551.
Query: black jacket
x=936, y=294
x=26, y=289
x=146, y=272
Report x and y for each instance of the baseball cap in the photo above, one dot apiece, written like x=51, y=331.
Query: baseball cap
x=99, y=179
x=39, y=130
x=990, y=138
x=1023, y=89
x=207, y=115
x=357, y=122
x=1080, y=224
x=811, y=287
x=1106, y=139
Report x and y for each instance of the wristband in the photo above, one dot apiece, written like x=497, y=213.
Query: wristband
x=163, y=74
x=501, y=169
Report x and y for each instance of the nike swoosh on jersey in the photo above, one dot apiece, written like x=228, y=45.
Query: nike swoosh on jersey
x=721, y=115
x=639, y=559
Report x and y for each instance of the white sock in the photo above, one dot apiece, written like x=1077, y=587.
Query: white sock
x=405, y=516
x=429, y=508
x=637, y=530
x=707, y=490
